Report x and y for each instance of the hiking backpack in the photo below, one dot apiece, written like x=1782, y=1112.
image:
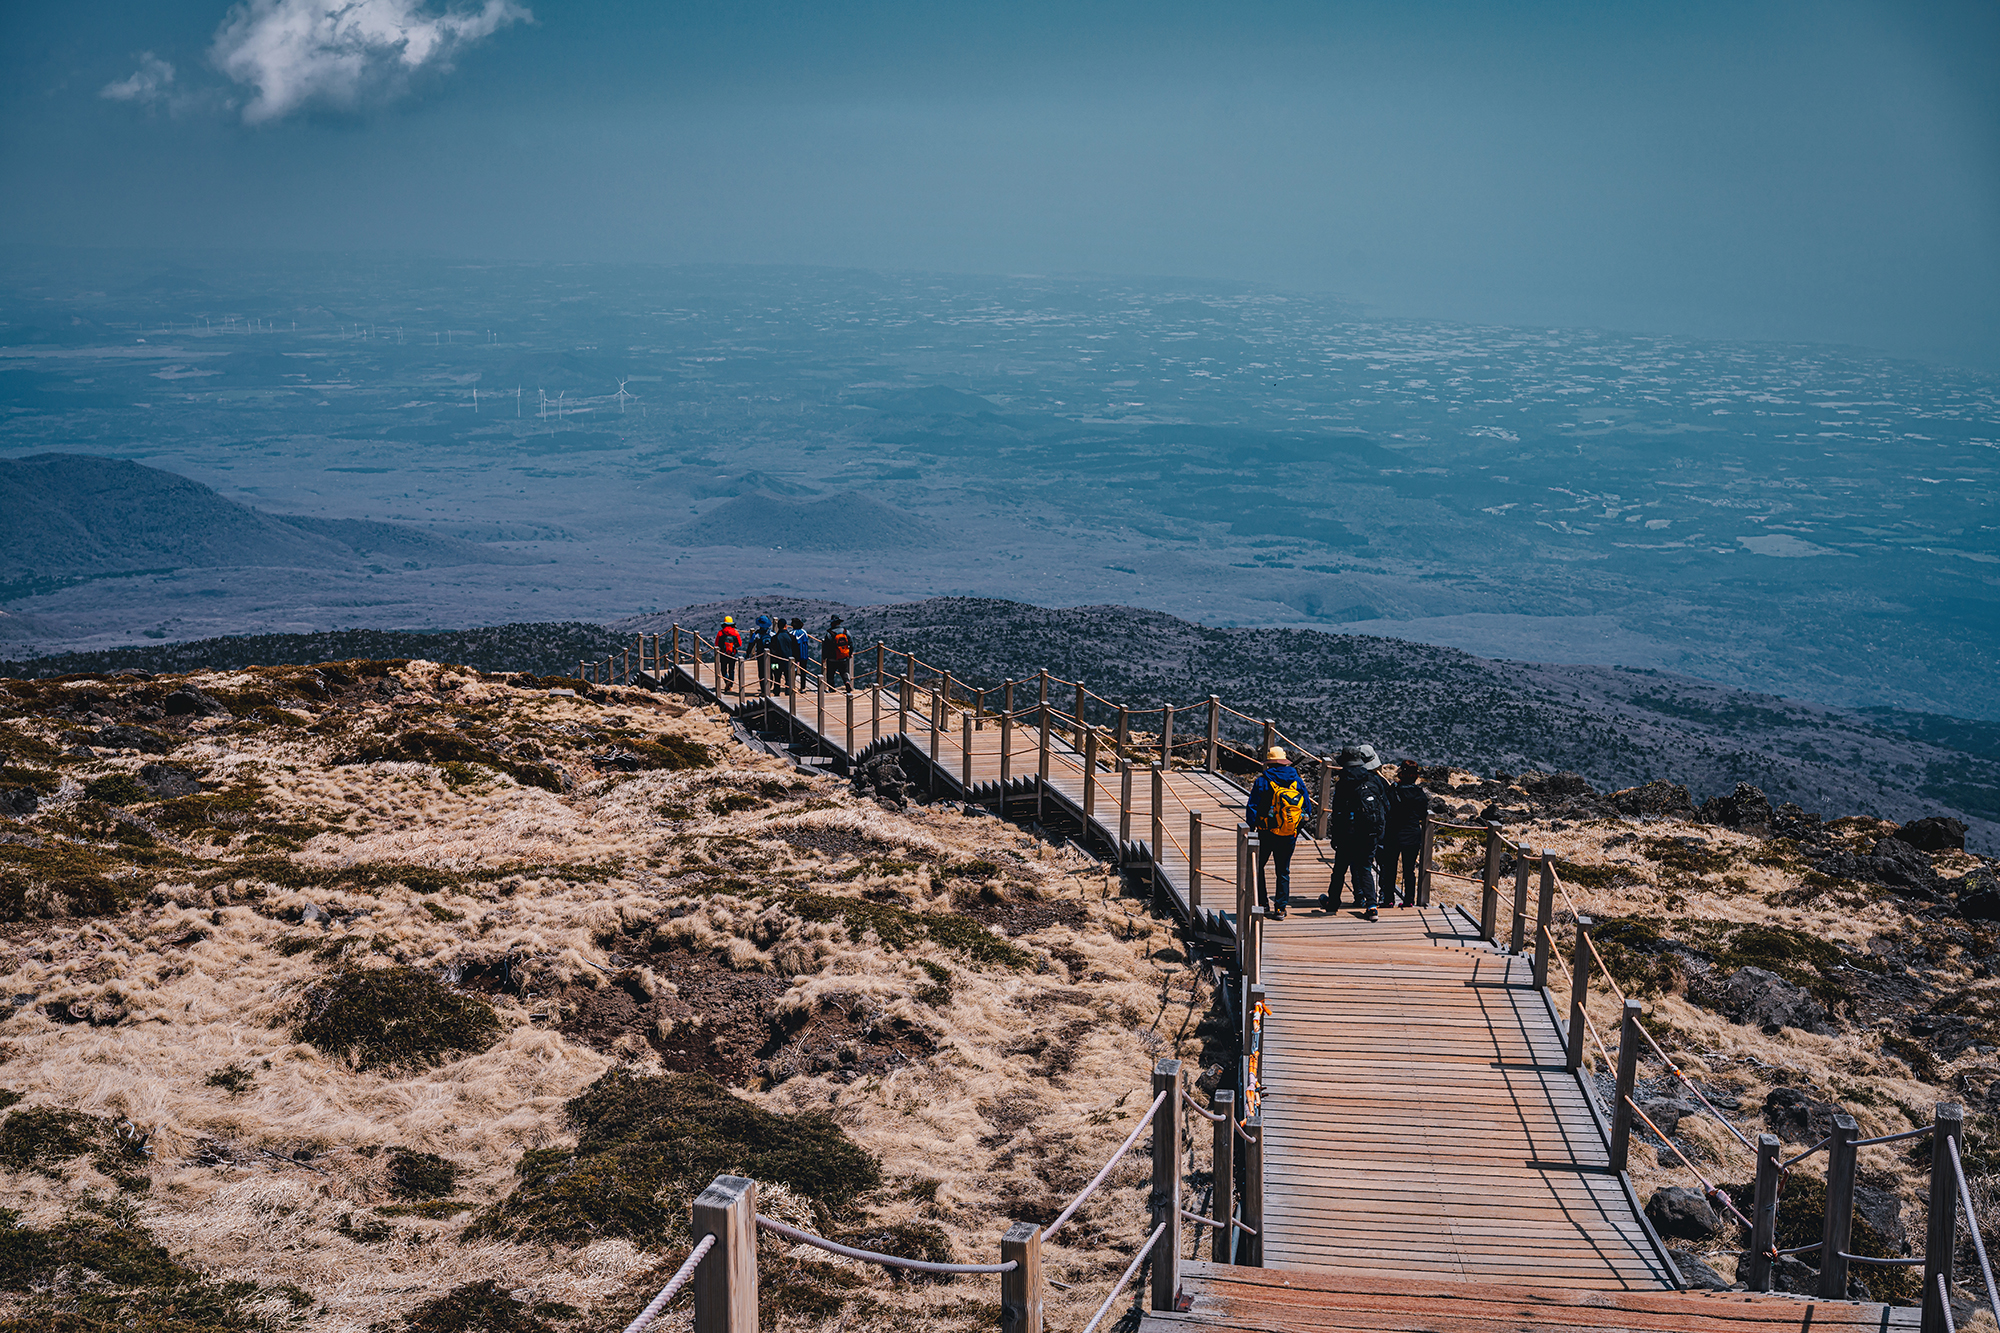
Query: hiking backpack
x=838, y=646
x=1286, y=812
x=1357, y=808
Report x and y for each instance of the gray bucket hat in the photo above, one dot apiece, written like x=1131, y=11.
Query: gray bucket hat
x=1369, y=759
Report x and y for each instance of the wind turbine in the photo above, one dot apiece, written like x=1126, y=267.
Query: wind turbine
x=622, y=396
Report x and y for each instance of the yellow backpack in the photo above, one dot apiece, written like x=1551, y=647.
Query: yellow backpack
x=1287, y=811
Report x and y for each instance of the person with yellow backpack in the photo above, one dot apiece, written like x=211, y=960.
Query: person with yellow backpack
x=1278, y=809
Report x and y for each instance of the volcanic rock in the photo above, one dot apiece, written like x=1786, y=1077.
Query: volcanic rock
x=1660, y=798
x=1767, y=1001
x=1682, y=1213
x=1939, y=833
x=1746, y=808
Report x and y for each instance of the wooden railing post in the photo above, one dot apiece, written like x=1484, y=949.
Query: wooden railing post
x=1764, y=1214
x=1167, y=735
x=1545, y=907
x=1252, y=1187
x=1222, y=1199
x=1579, y=992
x=1489, y=897
x=1941, y=1235
x=1628, y=1071
x=1254, y=968
x=1089, y=772
x=1270, y=739
x=1322, y=815
x=1124, y=808
x=1166, y=1258
x=763, y=673
x=675, y=643
x=742, y=664
x=1080, y=724
x=579, y=669
x=1518, y=933
x=1245, y=895
x=938, y=697
x=965, y=756
x=1042, y=760
x=1424, y=861
x=1159, y=826
x=1214, y=733
x=1006, y=740
x=725, y=1285
x=1194, y=863
x=875, y=697
x=906, y=693
x=1021, y=1289
x=819, y=701
x=1837, y=1233
x=1124, y=730
x=850, y=719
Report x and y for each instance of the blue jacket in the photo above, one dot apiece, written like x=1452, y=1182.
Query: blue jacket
x=1259, y=803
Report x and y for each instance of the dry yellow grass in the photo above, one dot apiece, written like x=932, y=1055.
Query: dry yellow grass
x=255, y=1186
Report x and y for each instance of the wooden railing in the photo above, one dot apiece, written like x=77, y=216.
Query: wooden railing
x=725, y=1222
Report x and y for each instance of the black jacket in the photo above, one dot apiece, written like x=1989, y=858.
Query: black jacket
x=1407, y=804
x=1358, y=809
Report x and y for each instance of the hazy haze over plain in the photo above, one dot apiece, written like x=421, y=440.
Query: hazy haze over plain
x=1826, y=171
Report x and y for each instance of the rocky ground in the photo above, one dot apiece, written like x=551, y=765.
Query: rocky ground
x=389, y=994
x=385, y=994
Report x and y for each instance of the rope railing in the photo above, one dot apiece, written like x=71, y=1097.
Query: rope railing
x=1978, y=1240
x=674, y=1285
x=1821, y=1146
x=792, y=1233
x=1708, y=1187
x=1098, y=1179
x=1125, y=1280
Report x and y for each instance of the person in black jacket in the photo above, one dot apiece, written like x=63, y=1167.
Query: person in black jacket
x=1403, y=839
x=1357, y=817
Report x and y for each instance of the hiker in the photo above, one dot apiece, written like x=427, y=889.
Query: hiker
x=760, y=649
x=784, y=653
x=837, y=651
x=1403, y=839
x=1357, y=816
x=728, y=647
x=805, y=641
x=1278, y=809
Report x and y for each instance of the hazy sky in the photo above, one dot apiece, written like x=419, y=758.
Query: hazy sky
x=1826, y=170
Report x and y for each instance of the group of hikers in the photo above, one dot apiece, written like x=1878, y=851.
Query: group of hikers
x=1372, y=825
x=784, y=649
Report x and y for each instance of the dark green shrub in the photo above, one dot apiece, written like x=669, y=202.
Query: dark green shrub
x=44, y=1137
x=395, y=1017
x=483, y=1307
x=420, y=1175
x=648, y=1144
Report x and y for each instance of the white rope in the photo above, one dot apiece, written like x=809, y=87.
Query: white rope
x=1137, y=1259
x=672, y=1289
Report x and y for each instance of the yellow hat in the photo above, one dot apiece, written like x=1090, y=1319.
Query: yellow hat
x=1276, y=755
x=729, y=620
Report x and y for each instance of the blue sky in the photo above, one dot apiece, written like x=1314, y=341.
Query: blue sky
x=1826, y=171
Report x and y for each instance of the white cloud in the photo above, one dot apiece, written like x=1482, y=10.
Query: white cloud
x=341, y=53
x=151, y=82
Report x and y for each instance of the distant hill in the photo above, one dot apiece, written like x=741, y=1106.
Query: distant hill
x=551, y=649
x=846, y=522
x=71, y=515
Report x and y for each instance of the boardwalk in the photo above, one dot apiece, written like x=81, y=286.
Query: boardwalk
x=1418, y=1115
